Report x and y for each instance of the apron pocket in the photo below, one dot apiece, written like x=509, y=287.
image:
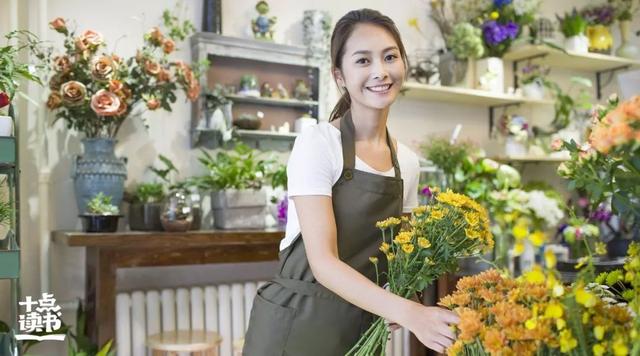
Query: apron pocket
x=269, y=327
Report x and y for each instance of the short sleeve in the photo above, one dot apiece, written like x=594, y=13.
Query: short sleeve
x=310, y=169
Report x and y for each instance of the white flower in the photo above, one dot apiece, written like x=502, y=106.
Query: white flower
x=522, y=7
x=545, y=208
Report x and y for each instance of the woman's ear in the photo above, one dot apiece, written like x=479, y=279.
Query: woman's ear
x=337, y=75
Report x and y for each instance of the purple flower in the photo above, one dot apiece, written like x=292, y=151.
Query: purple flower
x=601, y=214
x=426, y=191
x=501, y=3
x=495, y=33
x=283, y=205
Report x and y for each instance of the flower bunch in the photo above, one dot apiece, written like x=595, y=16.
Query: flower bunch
x=581, y=236
x=602, y=14
x=607, y=167
x=450, y=226
x=535, y=314
x=534, y=73
x=516, y=126
x=94, y=91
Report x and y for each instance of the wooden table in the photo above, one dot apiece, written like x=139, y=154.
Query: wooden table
x=107, y=252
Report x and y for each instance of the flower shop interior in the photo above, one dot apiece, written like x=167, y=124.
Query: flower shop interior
x=143, y=182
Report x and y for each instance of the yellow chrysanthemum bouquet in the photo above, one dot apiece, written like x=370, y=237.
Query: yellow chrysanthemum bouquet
x=421, y=249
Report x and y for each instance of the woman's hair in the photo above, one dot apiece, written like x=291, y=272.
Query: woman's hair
x=341, y=33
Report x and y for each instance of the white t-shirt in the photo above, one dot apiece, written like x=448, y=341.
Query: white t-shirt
x=315, y=165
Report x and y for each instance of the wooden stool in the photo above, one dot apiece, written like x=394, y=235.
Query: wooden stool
x=195, y=342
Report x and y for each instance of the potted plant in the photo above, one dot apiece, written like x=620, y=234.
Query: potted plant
x=94, y=92
x=533, y=81
x=599, y=18
x=235, y=179
x=573, y=26
x=145, y=208
x=465, y=42
x=12, y=70
x=101, y=215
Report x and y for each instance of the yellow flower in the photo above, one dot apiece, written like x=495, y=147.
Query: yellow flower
x=598, y=332
x=390, y=256
x=619, y=348
x=549, y=258
x=472, y=218
x=436, y=214
x=384, y=247
x=538, y=238
x=494, y=15
x=581, y=262
x=567, y=341
x=403, y=237
x=558, y=290
x=413, y=22
x=554, y=310
x=428, y=261
x=520, y=231
x=407, y=248
x=392, y=221
x=560, y=324
x=585, y=297
x=531, y=324
x=471, y=233
x=374, y=260
x=518, y=248
x=598, y=350
x=419, y=210
x=535, y=275
x=601, y=248
x=585, y=317
x=423, y=243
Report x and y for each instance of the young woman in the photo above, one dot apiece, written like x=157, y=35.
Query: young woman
x=343, y=176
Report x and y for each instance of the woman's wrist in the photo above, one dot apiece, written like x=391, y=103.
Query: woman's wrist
x=407, y=310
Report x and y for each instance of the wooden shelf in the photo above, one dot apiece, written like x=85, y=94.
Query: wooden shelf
x=579, y=61
x=465, y=96
x=289, y=103
x=531, y=159
x=267, y=134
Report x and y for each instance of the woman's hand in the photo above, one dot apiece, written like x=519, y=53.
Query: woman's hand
x=431, y=325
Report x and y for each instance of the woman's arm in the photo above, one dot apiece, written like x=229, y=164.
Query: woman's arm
x=317, y=222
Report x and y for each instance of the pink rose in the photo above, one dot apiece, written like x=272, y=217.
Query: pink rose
x=168, y=46
x=58, y=25
x=73, y=93
x=105, y=103
x=103, y=68
x=122, y=109
x=193, y=91
x=155, y=37
x=92, y=38
x=556, y=145
x=152, y=67
x=164, y=75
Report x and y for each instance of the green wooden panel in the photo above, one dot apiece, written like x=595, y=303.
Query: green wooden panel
x=7, y=150
x=9, y=264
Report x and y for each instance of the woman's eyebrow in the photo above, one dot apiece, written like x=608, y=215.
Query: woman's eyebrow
x=369, y=52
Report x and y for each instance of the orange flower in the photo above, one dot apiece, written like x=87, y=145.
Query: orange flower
x=155, y=37
x=73, y=93
x=168, y=46
x=54, y=101
x=62, y=64
x=470, y=324
x=152, y=67
x=59, y=25
x=153, y=104
x=493, y=341
x=103, y=68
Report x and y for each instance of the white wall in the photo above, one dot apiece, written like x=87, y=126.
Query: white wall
x=122, y=22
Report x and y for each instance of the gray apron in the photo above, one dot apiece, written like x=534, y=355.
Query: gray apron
x=297, y=316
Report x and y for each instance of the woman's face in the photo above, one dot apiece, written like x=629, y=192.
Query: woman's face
x=372, y=68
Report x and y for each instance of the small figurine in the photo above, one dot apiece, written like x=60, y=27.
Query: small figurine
x=262, y=25
x=249, y=86
x=266, y=91
x=281, y=92
x=301, y=91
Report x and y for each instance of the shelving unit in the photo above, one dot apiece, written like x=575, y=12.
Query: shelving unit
x=589, y=62
x=232, y=57
x=529, y=159
x=10, y=245
x=458, y=95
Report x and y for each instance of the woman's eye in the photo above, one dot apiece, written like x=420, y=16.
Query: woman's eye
x=362, y=61
x=390, y=57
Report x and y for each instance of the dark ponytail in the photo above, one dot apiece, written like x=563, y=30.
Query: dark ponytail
x=342, y=31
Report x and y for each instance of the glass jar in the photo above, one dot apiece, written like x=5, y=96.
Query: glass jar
x=177, y=214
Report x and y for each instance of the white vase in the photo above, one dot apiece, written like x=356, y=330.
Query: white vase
x=627, y=49
x=490, y=74
x=533, y=90
x=514, y=148
x=6, y=126
x=577, y=44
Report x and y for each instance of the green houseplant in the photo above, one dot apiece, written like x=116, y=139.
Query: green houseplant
x=235, y=179
x=146, y=204
x=573, y=26
x=101, y=215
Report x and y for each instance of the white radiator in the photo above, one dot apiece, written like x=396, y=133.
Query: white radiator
x=223, y=308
